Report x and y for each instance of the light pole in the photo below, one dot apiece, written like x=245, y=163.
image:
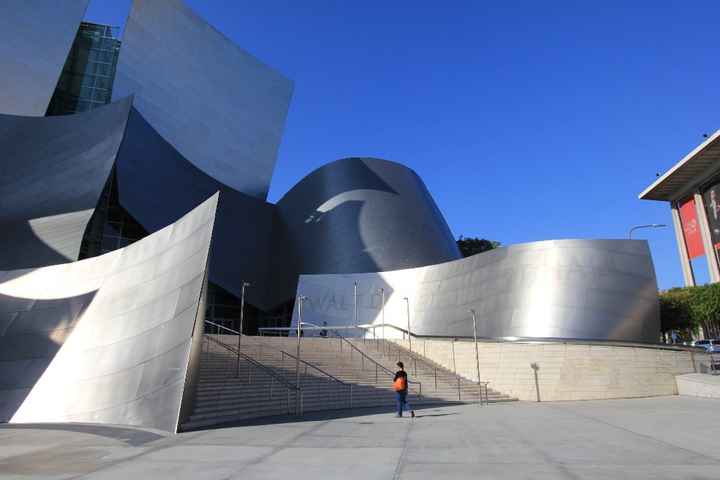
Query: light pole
x=382, y=307
x=407, y=303
x=477, y=356
x=355, y=303
x=242, y=316
x=300, y=298
x=649, y=225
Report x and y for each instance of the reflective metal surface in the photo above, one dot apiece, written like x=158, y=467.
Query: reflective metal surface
x=219, y=106
x=107, y=339
x=52, y=173
x=576, y=289
x=157, y=185
x=357, y=215
x=35, y=38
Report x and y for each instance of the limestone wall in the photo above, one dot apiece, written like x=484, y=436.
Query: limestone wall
x=699, y=385
x=566, y=371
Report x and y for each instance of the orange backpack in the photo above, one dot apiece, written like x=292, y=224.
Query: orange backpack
x=400, y=384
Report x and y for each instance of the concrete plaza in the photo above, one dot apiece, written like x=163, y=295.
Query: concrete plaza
x=669, y=437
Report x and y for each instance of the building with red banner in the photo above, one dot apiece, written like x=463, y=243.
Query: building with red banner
x=692, y=186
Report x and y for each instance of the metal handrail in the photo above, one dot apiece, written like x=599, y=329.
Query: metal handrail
x=423, y=360
x=538, y=340
x=343, y=339
x=377, y=364
x=283, y=352
x=314, y=367
x=299, y=395
x=251, y=360
x=307, y=364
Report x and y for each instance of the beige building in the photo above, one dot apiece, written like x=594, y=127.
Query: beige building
x=692, y=187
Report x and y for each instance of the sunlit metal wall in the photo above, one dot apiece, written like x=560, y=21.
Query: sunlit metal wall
x=220, y=107
x=576, y=289
x=106, y=339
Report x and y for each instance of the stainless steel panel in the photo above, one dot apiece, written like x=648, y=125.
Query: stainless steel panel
x=216, y=104
x=130, y=326
x=35, y=39
x=156, y=185
x=357, y=215
x=579, y=289
x=52, y=173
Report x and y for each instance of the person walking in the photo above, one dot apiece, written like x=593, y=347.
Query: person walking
x=400, y=384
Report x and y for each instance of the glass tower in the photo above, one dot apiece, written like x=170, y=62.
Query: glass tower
x=87, y=77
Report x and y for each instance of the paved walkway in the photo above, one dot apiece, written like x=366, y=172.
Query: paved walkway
x=673, y=437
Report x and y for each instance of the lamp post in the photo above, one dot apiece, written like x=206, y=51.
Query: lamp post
x=477, y=356
x=301, y=299
x=382, y=307
x=649, y=225
x=407, y=304
x=242, y=316
x=355, y=311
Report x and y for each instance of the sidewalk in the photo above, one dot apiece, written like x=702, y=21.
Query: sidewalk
x=654, y=438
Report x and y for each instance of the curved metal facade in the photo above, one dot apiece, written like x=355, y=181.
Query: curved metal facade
x=216, y=104
x=157, y=185
x=358, y=215
x=35, y=38
x=579, y=289
x=52, y=173
x=107, y=339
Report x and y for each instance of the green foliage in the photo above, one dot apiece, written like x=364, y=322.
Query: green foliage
x=674, y=310
x=687, y=309
x=474, y=245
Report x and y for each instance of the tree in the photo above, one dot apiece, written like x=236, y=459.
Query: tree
x=687, y=309
x=473, y=245
x=705, y=308
x=675, y=310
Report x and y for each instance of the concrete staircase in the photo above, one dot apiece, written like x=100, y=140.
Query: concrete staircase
x=438, y=382
x=334, y=374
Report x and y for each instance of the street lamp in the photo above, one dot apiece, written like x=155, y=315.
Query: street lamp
x=382, y=307
x=477, y=356
x=355, y=303
x=242, y=316
x=649, y=225
x=300, y=299
x=407, y=303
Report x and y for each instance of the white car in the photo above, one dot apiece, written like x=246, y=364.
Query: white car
x=710, y=345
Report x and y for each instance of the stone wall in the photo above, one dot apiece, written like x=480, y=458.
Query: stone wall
x=699, y=385
x=567, y=371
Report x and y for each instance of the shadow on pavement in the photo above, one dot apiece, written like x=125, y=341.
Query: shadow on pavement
x=328, y=415
x=130, y=436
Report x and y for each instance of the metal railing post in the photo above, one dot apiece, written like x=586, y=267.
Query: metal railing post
x=453, y=357
x=477, y=355
x=242, y=316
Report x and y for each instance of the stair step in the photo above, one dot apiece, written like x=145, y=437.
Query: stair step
x=223, y=396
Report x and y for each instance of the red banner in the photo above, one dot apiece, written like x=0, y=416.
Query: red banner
x=691, y=229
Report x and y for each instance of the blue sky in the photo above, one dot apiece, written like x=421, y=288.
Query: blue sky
x=529, y=121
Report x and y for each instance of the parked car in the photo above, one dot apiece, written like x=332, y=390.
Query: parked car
x=710, y=345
